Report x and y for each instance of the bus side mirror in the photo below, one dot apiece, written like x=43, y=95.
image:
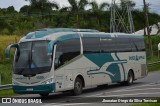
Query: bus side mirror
x=9, y=48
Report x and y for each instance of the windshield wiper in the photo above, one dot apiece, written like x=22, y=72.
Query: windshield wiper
x=29, y=75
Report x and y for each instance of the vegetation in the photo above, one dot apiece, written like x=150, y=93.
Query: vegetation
x=6, y=65
x=4, y=42
x=7, y=93
x=154, y=68
x=44, y=13
x=155, y=42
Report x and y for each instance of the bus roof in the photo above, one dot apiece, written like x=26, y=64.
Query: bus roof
x=65, y=33
x=47, y=31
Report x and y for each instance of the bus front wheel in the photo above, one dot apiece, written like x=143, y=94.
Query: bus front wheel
x=77, y=87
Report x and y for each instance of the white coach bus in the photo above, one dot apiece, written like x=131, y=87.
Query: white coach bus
x=63, y=59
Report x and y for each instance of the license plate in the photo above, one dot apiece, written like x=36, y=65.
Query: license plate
x=29, y=89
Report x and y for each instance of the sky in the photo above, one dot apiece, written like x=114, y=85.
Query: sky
x=154, y=4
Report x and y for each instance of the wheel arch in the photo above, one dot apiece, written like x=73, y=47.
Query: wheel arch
x=82, y=79
x=131, y=70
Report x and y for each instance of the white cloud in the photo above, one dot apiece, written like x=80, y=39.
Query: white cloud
x=16, y=3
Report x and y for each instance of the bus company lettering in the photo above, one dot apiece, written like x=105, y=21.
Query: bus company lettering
x=136, y=58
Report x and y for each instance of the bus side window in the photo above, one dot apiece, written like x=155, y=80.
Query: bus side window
x=133, y=45
x=66, y=50
x=108, y=45
x=123, y=45
x=139, y=42
x=91, y=45
x=71, y=49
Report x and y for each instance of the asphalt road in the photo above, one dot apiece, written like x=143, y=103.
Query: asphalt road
x=146, y=87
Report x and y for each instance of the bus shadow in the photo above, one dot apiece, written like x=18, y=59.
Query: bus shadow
x=67, y=96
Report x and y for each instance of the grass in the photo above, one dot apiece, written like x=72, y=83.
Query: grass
x=4, y=42
x=154, y=68
x=6, y=73
x=153, y=59
x=7, y=93
x=6, y=65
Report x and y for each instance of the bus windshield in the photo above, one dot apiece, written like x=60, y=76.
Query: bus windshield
x=32, y=59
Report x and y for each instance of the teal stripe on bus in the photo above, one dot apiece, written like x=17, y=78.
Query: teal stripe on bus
x=102, y=58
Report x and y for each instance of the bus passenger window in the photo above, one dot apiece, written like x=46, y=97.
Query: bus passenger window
x=108, y=45
x=91, y=45
x=66, y=51
x=139, y=42
x=123, y=45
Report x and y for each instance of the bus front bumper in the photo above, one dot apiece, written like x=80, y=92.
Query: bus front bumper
x=38, y=89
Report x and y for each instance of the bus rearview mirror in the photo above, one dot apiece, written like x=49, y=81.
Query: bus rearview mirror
x=7, y=53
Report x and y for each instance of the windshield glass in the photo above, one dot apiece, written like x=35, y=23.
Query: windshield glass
x=33, y=58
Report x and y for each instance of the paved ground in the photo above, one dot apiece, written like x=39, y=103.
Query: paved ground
x=146, y=87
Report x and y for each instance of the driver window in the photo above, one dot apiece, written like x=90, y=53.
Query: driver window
x=58, y=55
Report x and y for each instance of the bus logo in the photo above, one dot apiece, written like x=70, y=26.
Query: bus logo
x=136, y=58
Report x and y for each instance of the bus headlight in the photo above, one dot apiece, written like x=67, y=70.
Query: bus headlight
x=49, y=81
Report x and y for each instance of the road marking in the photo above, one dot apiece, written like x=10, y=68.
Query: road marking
x=145, y=85
x=121, y=95
x=132, y=90
x=150, y=84
x=70, y=104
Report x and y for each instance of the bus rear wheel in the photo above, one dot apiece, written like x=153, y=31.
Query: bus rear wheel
x=77, y=87
x=130, y=79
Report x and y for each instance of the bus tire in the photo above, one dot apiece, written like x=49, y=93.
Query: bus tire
x=130, y=79
x=77, y=87
x=44, y=94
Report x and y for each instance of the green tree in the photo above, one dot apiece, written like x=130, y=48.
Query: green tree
x=25, y=9
x=42, y=6
x=97, y=9
x=77, y=7
x=10, y=9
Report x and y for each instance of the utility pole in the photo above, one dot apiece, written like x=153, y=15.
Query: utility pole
x=112, y=21
x=148, y=30
x=130, y=18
